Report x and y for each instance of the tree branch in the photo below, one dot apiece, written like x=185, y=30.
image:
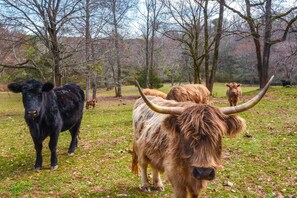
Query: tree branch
x=24, y=65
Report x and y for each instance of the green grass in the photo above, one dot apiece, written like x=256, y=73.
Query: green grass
x=264, y=165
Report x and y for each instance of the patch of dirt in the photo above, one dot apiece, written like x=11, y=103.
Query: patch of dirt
x=113, y=98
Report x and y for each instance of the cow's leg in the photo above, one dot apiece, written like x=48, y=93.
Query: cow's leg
x=38, y=150
x=145, y=186
x=194, y=194
x=74, y=141
x=53, y=147
x=158, y=185
x=179, y=187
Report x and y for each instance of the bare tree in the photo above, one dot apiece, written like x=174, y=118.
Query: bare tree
x=150, y=16
x=258, y=14
x=185, y=25
x=46, y=20
x=212, y=40
x=117, y=10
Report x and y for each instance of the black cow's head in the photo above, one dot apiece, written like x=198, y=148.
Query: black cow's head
x=32, y=95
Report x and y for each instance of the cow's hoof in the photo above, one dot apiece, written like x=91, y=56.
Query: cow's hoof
x=145, y=188
x=70, y=154
x=54, y=167
x=159, y=188
x=37, y=168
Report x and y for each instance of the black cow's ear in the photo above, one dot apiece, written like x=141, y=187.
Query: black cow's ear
x=47, y=87
x=15, y=87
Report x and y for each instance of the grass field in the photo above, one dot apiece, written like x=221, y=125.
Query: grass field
x=260, y=164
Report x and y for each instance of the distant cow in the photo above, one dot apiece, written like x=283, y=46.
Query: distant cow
x=285, y=83
x=91, y=103
x=49, y=111
x=234, y=93
x=3, y=87
x=153, y=92
x=191, y=92
x=183, y=140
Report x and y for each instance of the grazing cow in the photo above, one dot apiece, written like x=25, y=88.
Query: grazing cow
x=183, y=140
x=234, y=93
x=91, y=103
x=191, y=92
x=153, y=92
x=49, y=111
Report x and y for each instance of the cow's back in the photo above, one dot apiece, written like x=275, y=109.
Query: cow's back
x=70, y=99
x=191, y=92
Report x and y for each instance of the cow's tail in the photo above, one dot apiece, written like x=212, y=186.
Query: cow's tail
x=134, y=162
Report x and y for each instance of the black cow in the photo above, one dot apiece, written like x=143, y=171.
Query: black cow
x=286, y=83
x=49, y=111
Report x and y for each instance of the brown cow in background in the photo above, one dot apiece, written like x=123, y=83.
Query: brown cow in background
x=183, y=140
x=191, y=92
x=3, y=87
x=153, y=92
x=91, y=103
x=234, y=93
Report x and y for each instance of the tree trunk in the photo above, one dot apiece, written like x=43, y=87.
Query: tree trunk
x=87, y=53
x=56, y=57
x=152, y=41
x=147, y=80
x=206, y=49
x=216, y=48
x=267, y=44
x=117, y=50
x=95, y=85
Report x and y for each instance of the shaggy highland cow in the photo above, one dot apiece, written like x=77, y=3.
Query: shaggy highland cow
x=234, y=93
x=183, y=140
x=91, y=103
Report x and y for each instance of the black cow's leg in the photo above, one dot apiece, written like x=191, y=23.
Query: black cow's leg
x=38, y=149
x=53, y=147
x=74, y=134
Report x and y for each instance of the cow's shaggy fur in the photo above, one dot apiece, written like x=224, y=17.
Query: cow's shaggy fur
x=153, y=92
x=49, y=111
x=233, y=93
x=191, y=92
x=177, y=144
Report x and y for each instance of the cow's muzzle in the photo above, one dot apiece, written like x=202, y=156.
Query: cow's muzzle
x=203, y=173
x=32, y=114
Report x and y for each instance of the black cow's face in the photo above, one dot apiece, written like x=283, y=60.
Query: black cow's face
x=32, y=95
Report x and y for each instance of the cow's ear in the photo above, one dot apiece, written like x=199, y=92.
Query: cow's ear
x=235, y=125
x=15, y=87
x=47, y=87
x=238, y=85
x=227, y=84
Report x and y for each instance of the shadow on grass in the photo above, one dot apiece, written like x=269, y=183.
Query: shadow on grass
x=12, y=167
x=127, y=192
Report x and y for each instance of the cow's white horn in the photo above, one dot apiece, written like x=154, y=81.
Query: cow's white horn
x=157, y=108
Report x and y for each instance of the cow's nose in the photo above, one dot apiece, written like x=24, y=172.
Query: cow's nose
x=203, y=173
x=32, y=114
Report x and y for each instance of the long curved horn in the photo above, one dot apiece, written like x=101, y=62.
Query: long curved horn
x=157, y=108
x=249, y=104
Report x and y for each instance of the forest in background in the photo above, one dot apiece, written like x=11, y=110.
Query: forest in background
x=109, y=43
